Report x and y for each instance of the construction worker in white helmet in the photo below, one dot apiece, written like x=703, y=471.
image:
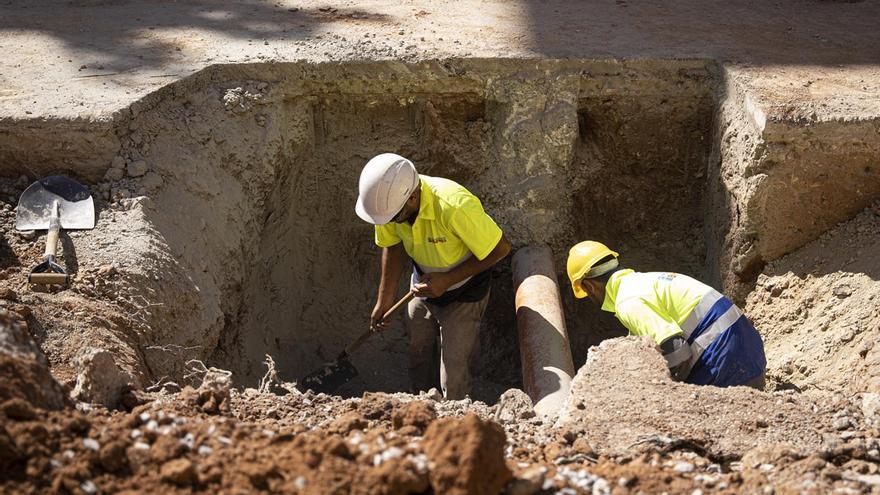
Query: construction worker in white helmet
x=704, y=337
x=453, y=243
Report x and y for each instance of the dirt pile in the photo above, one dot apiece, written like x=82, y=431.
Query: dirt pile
x=307, y=443
x=24, y=370
x=624, y=397
x=172, y=444
x=818, y=310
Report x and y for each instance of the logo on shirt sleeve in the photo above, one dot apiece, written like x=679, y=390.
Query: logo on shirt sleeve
x=436, y=240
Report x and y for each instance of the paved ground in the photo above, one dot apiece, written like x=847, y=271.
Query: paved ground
x=87, y=58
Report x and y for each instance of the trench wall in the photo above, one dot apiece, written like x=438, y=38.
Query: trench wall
x=251, y=245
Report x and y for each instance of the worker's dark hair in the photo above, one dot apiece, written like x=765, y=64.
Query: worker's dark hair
x=604, y=278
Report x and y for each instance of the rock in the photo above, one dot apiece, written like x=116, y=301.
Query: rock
x=114, y=174
x=432, y=394
x=27, y=235
x=106, y=270
x=683, y=467
x=467, y=455
x=88, y=487
x=842, y=291
x=178, y=471
x=841, y=423
x=137, y=168
x=515, y=405
x=418, y=414
x=118, y=163
x=100, y=380
x=871, y=408
x=25, y=370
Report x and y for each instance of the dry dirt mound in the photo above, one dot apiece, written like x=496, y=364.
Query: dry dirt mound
x=24, y=370
x=624, y=398
x=819, y=310
x=307, y=443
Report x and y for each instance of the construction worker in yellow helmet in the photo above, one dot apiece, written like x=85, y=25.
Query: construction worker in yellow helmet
x=704, y=337
x=453, y=243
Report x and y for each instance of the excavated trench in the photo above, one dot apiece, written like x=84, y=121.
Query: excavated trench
x=558, y=152
x=249, y=244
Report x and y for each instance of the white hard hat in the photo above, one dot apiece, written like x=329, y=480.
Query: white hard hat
x=386, y=182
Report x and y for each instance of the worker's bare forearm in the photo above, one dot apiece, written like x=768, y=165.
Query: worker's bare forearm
x=474, y=266
x=392, y=267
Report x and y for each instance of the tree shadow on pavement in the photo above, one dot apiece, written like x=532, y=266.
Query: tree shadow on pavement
x=122, y=35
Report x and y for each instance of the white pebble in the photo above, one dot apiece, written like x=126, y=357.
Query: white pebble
x=88, y=487
x=91, y=444
x=684, y=467
x=189, y=440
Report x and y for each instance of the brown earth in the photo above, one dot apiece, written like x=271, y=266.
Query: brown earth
x=307, y=443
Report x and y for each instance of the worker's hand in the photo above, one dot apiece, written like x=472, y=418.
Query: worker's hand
x=376, y=316
x=432, y=284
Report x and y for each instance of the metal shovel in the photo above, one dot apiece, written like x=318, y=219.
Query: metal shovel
x=339, y=372
x=51, y=204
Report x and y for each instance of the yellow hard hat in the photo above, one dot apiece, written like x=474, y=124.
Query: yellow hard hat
x=581, y=257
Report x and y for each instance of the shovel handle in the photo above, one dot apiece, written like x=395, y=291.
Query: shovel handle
x=54, y=230
x=51, y=242
x=49, y=278
x=403, y=300
x=364, y=336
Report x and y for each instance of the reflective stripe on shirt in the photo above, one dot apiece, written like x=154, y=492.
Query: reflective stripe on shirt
x=699, y=312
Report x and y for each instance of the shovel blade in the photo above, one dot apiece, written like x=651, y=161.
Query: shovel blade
x=330, y=377
x=76, y=209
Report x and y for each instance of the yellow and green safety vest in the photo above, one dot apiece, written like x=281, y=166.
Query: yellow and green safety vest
x=451, y=225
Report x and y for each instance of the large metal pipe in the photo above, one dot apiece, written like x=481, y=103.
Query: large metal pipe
x=545, y=352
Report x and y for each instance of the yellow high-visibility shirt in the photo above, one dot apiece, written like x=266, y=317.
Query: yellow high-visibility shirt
x=656, y=304
x=451, y=225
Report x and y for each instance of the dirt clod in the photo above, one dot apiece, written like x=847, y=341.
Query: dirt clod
x=18, y=409
x=181, y=472
x=467, y=454
x=416, y=414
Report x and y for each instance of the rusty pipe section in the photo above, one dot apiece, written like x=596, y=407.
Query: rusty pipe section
x=547, y=367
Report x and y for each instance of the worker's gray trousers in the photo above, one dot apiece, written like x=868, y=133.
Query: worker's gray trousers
x=458, y=327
